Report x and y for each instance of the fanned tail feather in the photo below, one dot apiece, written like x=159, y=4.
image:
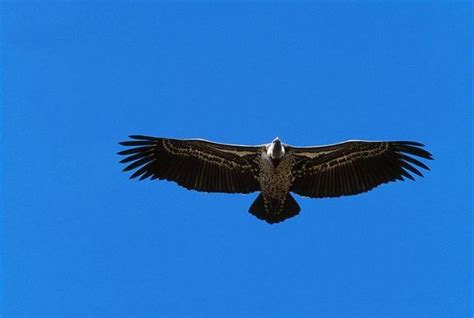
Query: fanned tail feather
x=272, y=215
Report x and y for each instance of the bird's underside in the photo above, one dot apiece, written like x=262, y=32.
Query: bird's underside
x=274, y=169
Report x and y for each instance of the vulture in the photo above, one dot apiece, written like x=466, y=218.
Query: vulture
x=274, y=169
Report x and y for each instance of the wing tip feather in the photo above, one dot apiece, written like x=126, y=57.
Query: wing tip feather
x=142, y=137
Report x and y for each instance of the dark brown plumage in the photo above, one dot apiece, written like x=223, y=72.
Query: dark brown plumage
x=275, y=169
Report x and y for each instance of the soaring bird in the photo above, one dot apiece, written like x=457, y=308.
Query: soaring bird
x=274, y=169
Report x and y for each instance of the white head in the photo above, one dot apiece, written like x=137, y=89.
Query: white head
x=276, y=149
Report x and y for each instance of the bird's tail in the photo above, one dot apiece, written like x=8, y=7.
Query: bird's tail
x=274, y=213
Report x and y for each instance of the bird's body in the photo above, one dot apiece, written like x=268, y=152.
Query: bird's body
x=274, y=169
x=275, y=180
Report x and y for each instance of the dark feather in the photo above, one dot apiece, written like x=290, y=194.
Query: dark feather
x=140, y=137
x=135, y=143
x=193, y=164
x=354, y=167
x=133, y=150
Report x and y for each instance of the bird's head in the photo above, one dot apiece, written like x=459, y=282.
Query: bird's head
x=276, y=149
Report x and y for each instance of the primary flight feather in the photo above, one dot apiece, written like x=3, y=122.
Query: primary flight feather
x=274, y=169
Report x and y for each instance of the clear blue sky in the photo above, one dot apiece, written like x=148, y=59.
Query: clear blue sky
x=80, y=239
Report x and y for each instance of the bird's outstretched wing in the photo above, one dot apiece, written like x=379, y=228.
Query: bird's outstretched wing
x=354, y=166
x=194, y=164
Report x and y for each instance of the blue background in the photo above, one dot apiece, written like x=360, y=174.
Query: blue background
x=80, y=239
